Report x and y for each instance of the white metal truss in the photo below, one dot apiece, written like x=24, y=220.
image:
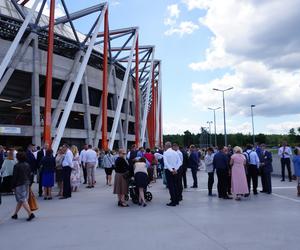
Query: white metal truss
x=12, y=49
x=122, y=94
x=67, y=110
x=147, y=100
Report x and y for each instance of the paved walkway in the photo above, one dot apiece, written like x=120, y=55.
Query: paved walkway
x=92, y=221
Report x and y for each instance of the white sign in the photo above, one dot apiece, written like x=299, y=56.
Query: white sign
x=10, y=130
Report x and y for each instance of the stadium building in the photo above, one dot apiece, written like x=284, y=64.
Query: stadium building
x=60, y=85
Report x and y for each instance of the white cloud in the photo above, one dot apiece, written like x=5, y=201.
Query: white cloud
x=196, y=4
x=282, y=128
x=259, y=43
x=175, y=27
x=183, y=28
x=173, y=10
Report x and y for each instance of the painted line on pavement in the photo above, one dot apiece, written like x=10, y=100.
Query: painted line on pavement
x=285, y=197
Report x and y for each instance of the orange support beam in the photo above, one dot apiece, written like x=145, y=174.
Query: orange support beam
x=137, y=95
x=105, y=83
x=48, y=85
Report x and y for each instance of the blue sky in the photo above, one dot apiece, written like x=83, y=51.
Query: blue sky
x=215, y=43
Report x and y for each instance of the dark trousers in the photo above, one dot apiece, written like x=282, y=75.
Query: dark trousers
x=179, y=183
x=184, y=169
x=229, y=184
x=286, y=162
x=252, y=175
x=222, y=182
x=40, y=182
x=194, y=174
x=84, y=172
x=267, y=182
x=210, y=182
x=263, y=179
x=172, y=180
x=66, y=172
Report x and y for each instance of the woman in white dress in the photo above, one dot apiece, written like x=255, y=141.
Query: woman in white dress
x=75, y=174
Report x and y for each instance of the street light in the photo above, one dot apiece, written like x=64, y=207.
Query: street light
x=214, y=110
x=209, y=126
x=253, y=135
x=223, y=92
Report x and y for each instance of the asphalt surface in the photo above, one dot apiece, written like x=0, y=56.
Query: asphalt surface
x=91, y=220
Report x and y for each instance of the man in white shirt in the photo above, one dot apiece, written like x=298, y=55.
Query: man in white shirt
x=252, y=168
x=90, y=163
x=67, y=165
x=179, y=171
x=172, y=163
x=82, y=161
x=285, y=154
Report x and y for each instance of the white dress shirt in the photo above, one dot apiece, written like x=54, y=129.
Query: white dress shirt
x=180, y=156
x=285, y=152
x=91, y=156
x=171, y=160
x=68, y=159
x=254, y=160
x=82, y=156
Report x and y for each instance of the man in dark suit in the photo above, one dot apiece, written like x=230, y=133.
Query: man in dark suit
x=194, y=164
x=30, y=159
x=184, y=166
x=267, y=169
x=221, y=165
x=40, y=156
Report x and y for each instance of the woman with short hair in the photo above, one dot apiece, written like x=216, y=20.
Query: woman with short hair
x=20, y=183
x=108, y=165
x=48, y=166
x=208, y=160
x=121, y=182
x=238, y=174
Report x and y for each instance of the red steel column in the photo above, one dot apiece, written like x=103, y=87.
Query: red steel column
x=137, y=94
x=105, y=83
x=48, y=85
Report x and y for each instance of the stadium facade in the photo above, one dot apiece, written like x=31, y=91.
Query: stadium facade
x=59, y=85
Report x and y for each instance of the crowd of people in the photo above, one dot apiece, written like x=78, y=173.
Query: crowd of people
x=237, y=170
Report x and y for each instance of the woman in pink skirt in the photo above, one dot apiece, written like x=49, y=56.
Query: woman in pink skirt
x=238, y=176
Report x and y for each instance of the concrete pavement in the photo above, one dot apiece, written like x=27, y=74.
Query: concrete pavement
x=91, y=220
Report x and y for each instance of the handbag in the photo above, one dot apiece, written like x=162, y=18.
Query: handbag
x=32, y=202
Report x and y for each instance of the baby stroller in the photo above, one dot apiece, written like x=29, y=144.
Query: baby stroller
x=134, y=194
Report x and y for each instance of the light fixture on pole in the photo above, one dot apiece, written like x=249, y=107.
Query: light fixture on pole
x=215, y=124
x=224, y=113
x=209, y=124
x=253, y=135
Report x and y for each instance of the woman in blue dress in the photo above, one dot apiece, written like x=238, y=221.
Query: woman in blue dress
x=48, y=165
x=296, y=161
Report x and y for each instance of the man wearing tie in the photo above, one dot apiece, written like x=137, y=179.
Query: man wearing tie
x=67, y=165
x=285, y=154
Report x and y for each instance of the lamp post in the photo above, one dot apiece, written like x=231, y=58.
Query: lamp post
x=253, y=135
x=215, y=125
x=223, y=92
x=209, y=126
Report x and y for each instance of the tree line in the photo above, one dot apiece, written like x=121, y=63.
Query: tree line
x=203, y=138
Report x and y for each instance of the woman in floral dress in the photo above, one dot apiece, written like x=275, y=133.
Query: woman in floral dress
x=75, y=174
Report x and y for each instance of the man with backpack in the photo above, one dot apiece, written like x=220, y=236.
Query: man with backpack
x=252, y=167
